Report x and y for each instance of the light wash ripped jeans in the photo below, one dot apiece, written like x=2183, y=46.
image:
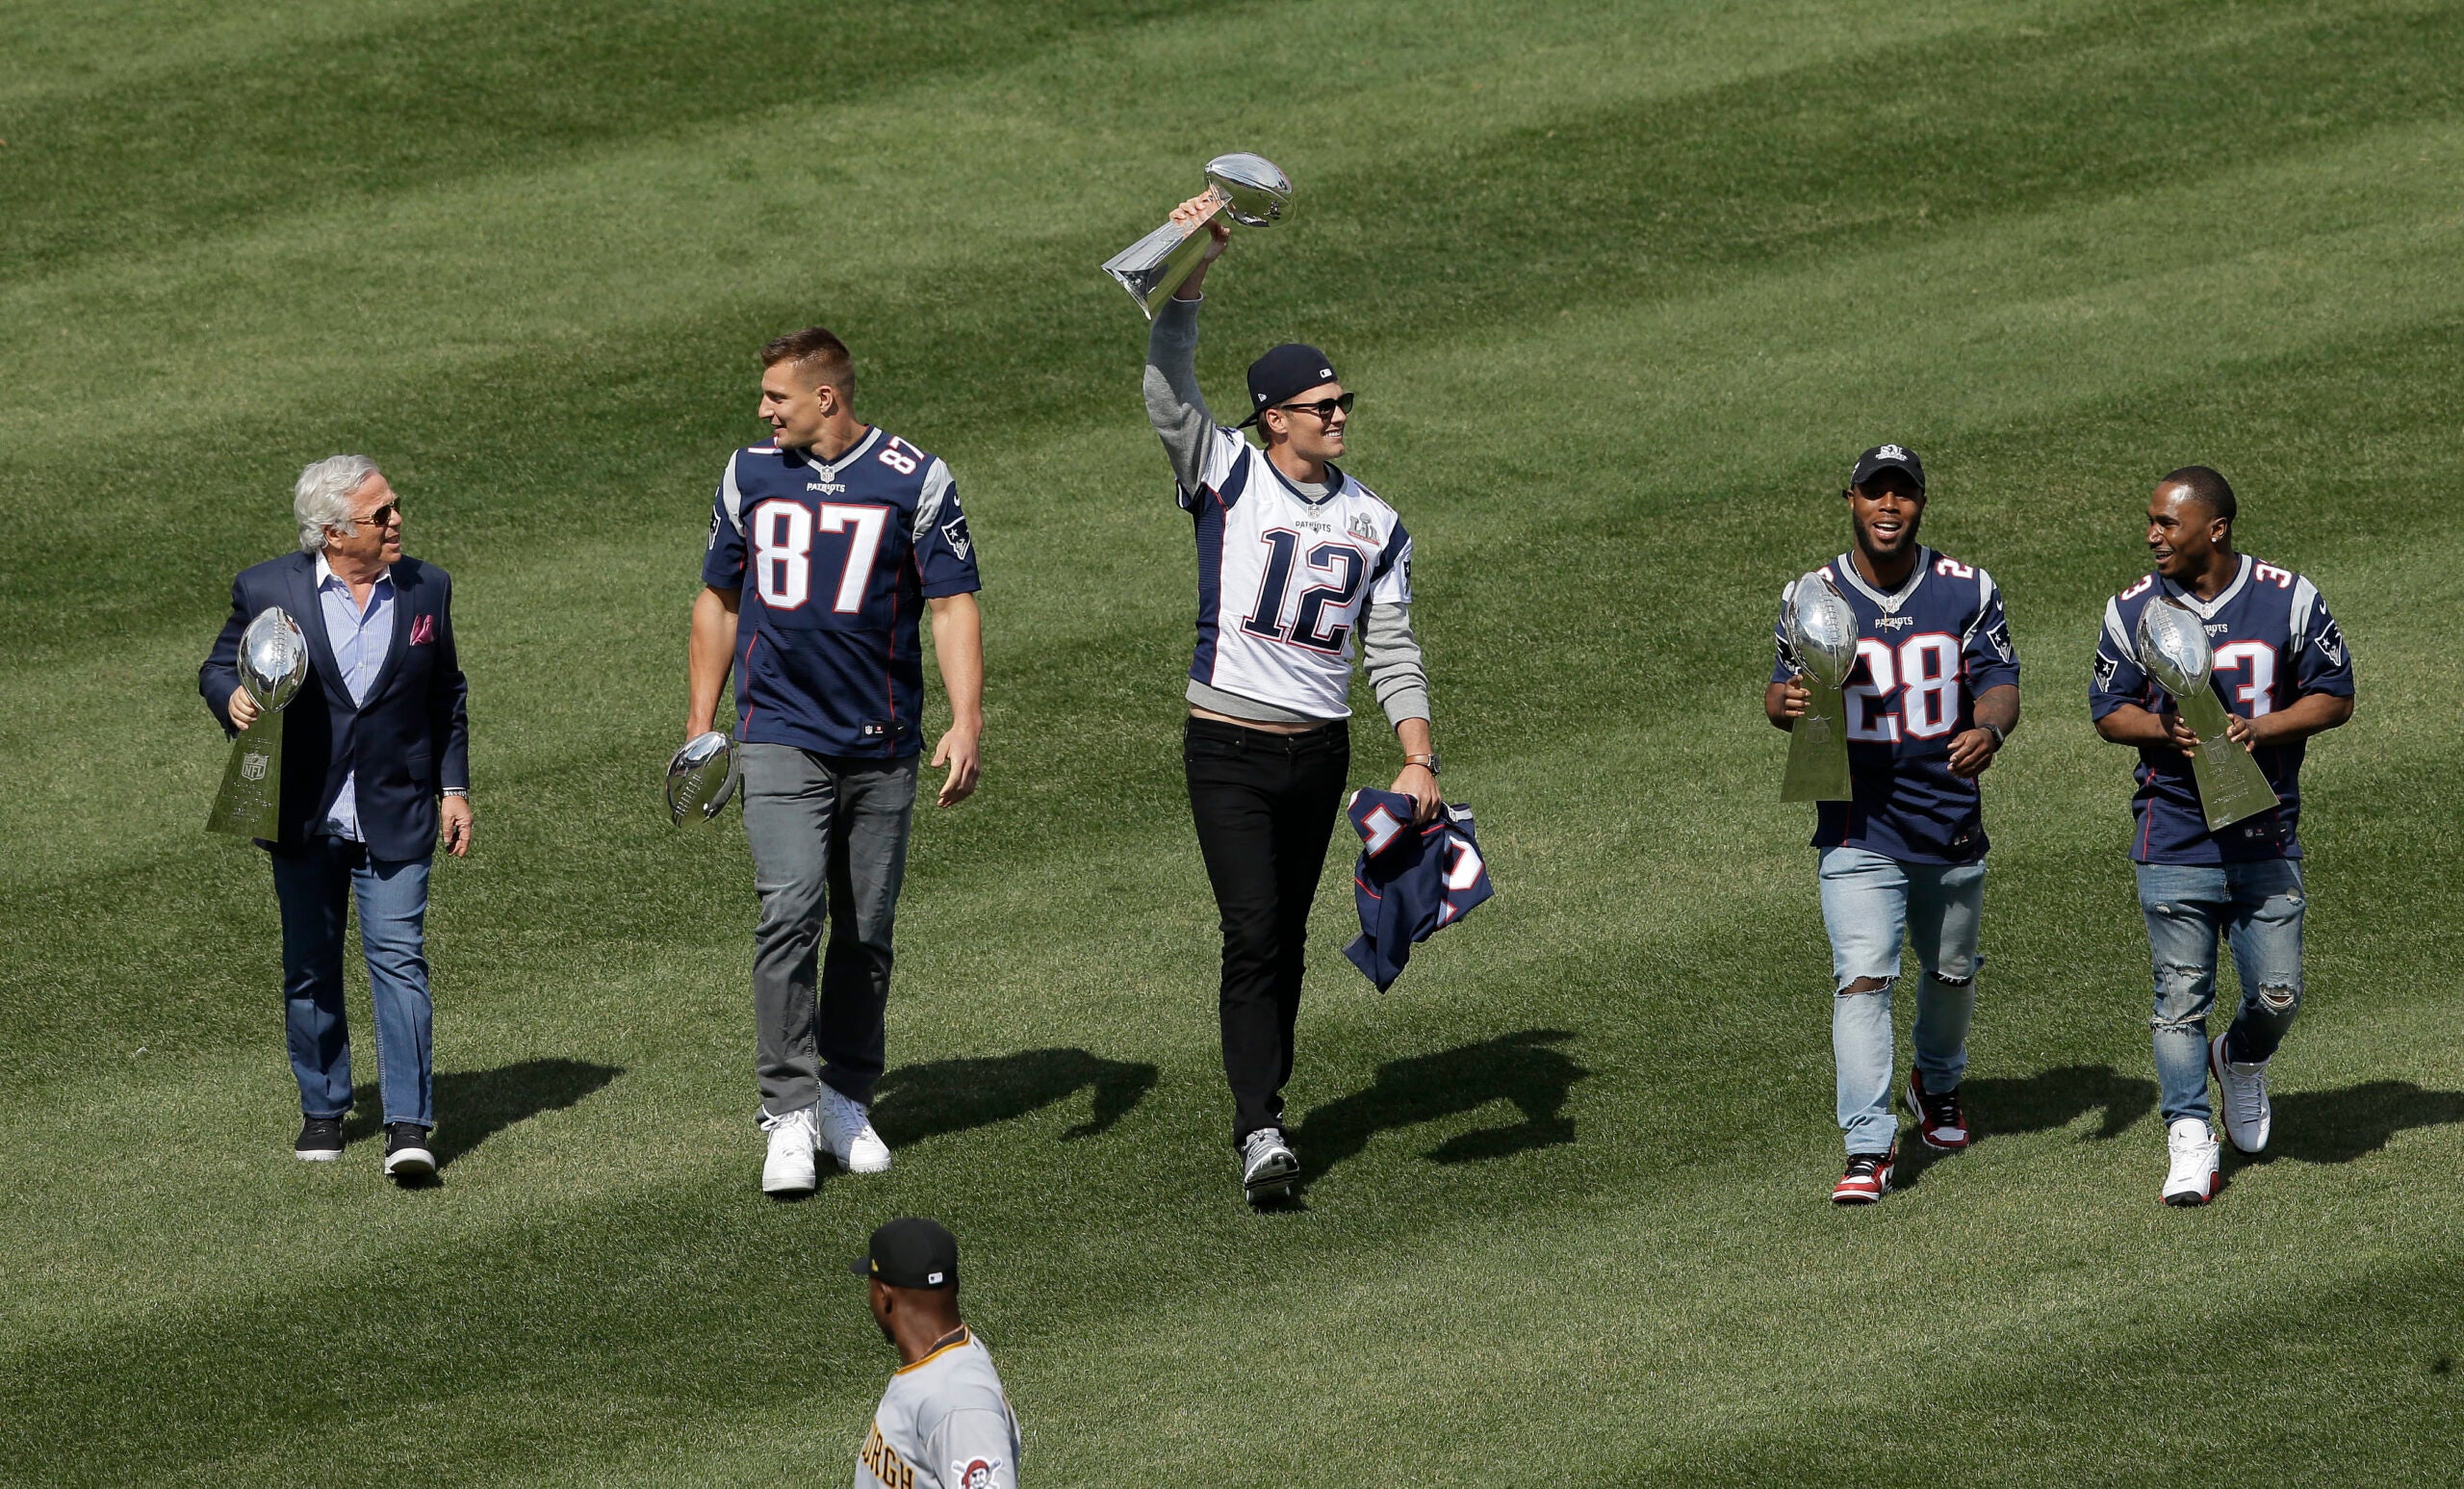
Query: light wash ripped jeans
x=1871, y=905
x=2255, y=907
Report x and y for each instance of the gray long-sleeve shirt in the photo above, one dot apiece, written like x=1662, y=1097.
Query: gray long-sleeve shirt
x=1389, y=653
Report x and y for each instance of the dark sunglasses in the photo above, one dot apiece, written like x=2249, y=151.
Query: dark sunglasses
x=383, y=516
x=1323, y=408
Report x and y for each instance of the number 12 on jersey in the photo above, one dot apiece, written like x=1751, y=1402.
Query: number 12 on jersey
x=1342, y=564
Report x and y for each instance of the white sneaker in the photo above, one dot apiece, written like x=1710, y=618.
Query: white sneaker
x=2249, y=1115
x=847, y=1131
x=2193, y=1178
x=788, y=1167
x=1268, y=1165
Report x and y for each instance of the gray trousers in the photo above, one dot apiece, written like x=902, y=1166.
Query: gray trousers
x=827, y=834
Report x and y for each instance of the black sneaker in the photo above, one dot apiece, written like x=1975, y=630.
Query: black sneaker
x=406, y=1151
x=321, y=1139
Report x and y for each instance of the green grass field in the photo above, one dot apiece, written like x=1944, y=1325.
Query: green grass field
x=1623, y=288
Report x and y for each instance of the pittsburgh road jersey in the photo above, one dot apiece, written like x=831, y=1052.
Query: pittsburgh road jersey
x=2274, y=641
x=835, y=563
x=1923, y=655
x=1282, y=579
x=943, y=1423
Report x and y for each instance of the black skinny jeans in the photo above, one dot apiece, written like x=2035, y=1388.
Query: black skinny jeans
x=1264, y=806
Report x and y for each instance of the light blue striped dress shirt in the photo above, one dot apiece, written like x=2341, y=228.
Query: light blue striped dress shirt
x=362, y=640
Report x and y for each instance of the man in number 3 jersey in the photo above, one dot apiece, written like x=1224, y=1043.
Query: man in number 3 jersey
x=2285, y=675
x=1933, y=693
x=1295, y=558
x=825, y=546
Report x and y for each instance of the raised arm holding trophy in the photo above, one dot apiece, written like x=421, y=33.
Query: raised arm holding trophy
x=1295, y=560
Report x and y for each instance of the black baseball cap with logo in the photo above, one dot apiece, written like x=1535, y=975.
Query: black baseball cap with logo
x=1284, y=370
x=1888, y=457
x=910, y=1253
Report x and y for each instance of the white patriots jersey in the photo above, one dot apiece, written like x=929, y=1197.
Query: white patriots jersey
x=1282, y=579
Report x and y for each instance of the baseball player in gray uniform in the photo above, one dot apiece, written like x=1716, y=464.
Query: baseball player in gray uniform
x=944, y=1422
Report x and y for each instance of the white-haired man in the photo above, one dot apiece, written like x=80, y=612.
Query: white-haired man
x=375, y=766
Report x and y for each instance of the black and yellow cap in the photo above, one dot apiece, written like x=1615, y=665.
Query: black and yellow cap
x=910, y=1253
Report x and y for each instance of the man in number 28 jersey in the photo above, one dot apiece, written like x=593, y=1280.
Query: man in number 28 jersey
x=1296, y=564
x=1933, y=693
x=825, y=546
x=2284, y=673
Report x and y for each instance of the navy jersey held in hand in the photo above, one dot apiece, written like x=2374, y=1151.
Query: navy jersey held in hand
x=1924, y=653
x=1410, y=881
x=835, y=563
x=2274, y=641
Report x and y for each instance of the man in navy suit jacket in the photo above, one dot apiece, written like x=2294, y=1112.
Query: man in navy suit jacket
x=376, y=768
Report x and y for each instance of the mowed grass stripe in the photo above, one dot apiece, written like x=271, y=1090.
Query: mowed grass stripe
x=459, y=90
x=1331, y=1280
x=864, y=249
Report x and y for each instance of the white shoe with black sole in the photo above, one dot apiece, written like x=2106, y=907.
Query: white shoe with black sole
x=1268, y=1165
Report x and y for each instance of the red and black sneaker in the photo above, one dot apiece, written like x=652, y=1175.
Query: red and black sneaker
x=1940, y=1119
x=1867, y=1179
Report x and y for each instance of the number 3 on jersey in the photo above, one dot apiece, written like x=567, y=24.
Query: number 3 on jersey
x=783, y=534
x=1913, y=691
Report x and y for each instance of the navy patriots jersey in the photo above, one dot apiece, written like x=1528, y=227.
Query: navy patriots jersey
x=1923, y=655
x=2274, y=641
x=834, y=563
x=1411, y=882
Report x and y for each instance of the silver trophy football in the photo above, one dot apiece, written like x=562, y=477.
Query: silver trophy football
x=273, y=661
x=1246, y=188
x=1822, y=635
x=2173, y=650
x=700, y=778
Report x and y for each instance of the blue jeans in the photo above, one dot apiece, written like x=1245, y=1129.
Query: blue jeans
x=316, y=886
x=2255, y=907
x=1871, y=905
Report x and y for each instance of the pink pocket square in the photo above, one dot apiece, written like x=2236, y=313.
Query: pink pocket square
x=422, y=630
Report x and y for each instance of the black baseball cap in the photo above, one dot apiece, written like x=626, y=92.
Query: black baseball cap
x=1888, y=457
x=910, y=1253
x=1284, y=370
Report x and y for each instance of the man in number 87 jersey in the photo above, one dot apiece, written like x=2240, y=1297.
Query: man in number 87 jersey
x=825, y=546
x=1933, y=693
x=1295, y=560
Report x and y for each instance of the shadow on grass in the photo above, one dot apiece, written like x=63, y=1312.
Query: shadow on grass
x=1521, y=1067
x=473, y=1106
x=915, y=1102
x=2339, y=1126
x=2042, y=1102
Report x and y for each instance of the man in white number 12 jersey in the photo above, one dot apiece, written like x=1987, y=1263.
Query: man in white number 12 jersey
x=1295, y=560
